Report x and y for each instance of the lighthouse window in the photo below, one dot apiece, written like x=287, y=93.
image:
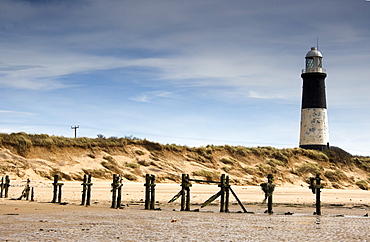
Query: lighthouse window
x=309, y=62
x=320, y=62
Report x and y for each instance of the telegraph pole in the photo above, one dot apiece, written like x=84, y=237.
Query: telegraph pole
x=75, y=128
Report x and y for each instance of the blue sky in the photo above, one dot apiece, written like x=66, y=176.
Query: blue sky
x=185, y=72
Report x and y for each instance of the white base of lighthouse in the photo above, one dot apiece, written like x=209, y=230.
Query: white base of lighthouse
x=314, y=128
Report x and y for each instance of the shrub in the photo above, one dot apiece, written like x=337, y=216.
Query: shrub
x=111, y=166
x=154, y=157
x=227, y=161
x=315, y=155
x=210, y=176
x=139, y=152
x=97, y=173
x=362, y=163
x=363, y=185
x=266, y=169
x=250, y=170
x=61, y=174
x=130, y=177
x=91, y=156
x=227, y=168
x=274, y=163
x=335, y=176
x=132, y=165
x=144, y=163
x=309, y=168
x=280, y=156
x=109, y=158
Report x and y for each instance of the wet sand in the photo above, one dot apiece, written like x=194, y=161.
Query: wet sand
x=342, y=220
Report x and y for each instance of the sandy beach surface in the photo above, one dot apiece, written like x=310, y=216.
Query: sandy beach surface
x=344, y=215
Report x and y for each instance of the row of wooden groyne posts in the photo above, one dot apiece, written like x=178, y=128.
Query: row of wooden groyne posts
x=184, y=193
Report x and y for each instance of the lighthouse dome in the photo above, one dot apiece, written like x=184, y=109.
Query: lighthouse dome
x=313, y=53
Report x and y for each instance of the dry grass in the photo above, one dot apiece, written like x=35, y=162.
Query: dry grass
x=335, y=176
x=241, y=163
x=208, y=175
x=363, y=185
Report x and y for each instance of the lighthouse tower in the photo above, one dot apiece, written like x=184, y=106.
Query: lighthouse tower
x=314, y=118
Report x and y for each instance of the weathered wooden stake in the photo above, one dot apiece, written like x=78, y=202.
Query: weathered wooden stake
x=227, y=194
x=86, y=190
x=222, y=200
x=7, y=185
x=89, y=184
x=57, y=190
x=187, y=193
x=183, y=192
x=152, y=192
x=316, y=189
x=268, y=188
x=2, y=185
x=32, y=194
x=116, y=191
x=26, y=191
x=149, y=192
x=60, y=192
x=119, y=193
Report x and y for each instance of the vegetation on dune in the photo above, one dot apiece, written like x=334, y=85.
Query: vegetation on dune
x=245, y=165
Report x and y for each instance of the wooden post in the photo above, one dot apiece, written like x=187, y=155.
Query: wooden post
x=269, y=205
x=32, y=194
x=187, y=189
x=114, y=190
x=318, y=193
x=183, y=192
x=55, y=189
x=89, y=184
x=84, y=190
x=27, y=189
x=119, y=192
x=270, y=179
x=2, y=186
x=222, y=200
x=152, y=192
x=316, y=186
x=268, y=188
x=227, y=194
x=147, y=191
x=7, y=185
x=60, y=192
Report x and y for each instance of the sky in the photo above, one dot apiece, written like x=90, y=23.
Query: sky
x=192, y=73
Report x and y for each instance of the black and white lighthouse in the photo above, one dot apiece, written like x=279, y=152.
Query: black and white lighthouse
x=314, y=117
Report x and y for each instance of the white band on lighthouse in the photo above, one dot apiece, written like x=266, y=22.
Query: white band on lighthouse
x=314, y=127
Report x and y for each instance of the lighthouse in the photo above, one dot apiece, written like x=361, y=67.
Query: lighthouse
x=314, y=132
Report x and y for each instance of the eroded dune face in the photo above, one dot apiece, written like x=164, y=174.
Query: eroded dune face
x=40, y=157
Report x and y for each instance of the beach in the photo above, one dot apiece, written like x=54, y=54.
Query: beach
x=343, y=215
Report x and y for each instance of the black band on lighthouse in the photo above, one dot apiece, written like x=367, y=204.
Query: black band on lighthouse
x=313, y=95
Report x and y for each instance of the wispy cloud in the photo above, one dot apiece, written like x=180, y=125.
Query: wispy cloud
x=149, y=96
x=15, y=112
